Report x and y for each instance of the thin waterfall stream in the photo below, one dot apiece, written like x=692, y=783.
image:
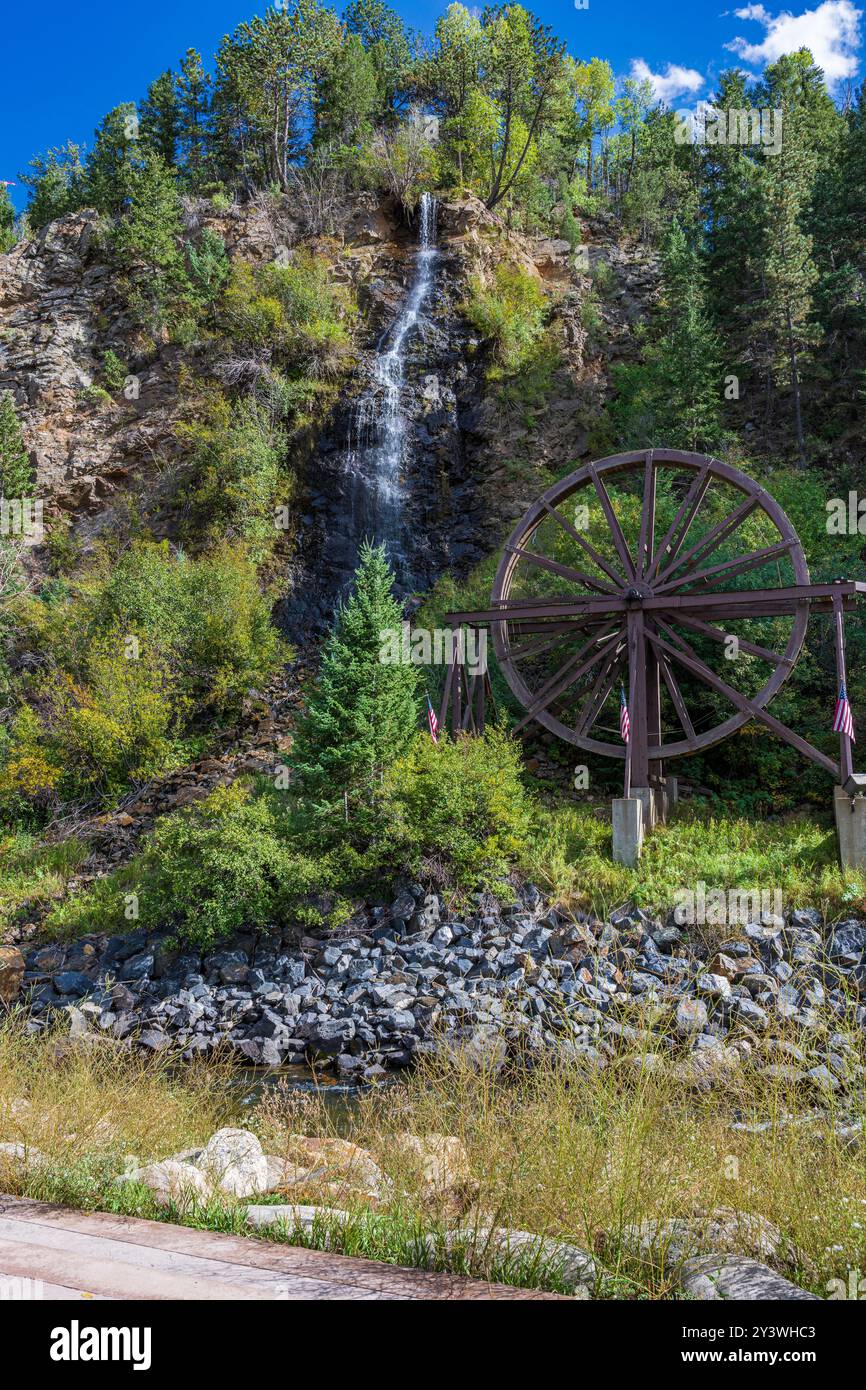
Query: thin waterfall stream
x=377, y=458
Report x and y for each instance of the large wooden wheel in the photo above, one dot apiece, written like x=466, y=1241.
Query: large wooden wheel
x=668, y=573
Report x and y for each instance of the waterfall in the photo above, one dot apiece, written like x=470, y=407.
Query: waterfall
x=378, y=453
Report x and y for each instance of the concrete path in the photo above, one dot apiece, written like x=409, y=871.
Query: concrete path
x=98, y=1255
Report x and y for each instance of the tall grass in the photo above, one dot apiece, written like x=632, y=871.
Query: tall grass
x=555, y=1146
x=565, y=1150
x=571, y=859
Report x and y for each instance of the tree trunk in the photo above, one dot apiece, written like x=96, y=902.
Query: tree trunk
x=795, y=390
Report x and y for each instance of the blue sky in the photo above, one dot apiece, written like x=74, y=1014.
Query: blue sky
x=66, y=65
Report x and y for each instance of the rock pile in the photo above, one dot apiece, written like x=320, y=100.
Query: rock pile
x=501, y=982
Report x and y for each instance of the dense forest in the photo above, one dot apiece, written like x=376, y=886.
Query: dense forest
x=763, y=240
x=755, y=351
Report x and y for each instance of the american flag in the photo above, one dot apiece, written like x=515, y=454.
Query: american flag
x=843, y=720
x=624, y=721
x=432, y=721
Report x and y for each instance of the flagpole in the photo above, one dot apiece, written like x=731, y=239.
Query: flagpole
x=627, y=788
x=846, y=760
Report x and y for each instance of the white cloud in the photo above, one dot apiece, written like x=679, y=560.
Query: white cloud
x=831, y=33
x=675, y=81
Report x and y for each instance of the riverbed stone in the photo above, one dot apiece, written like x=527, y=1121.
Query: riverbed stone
x=234, y=1162
x=171, y=1181
x=11, y=974
x=736, y=1277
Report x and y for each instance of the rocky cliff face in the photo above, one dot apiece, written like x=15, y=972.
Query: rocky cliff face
x=475, y=463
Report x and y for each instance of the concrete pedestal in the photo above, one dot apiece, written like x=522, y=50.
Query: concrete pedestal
x=627, y=814
x=850, y=814
x=649, y=802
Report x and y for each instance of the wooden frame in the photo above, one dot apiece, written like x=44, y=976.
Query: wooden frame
x=618, y=624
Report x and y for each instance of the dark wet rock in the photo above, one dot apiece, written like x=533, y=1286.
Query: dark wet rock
x=73, y=982
x=503, y=984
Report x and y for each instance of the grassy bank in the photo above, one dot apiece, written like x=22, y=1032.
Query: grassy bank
x=560, y=1150
x=566, y=850
x=571, y=860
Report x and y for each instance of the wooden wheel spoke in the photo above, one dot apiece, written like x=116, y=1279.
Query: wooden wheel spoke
x=646, y=539
x=546, y=643
x=699, y=668
x=675, y=693
x=567, y=675
x=728, y=568
x=601, y=688
x=612, y=521
x=590, y=550
x=564, y=571
x=719, y=635
x=713, y=539
x=681, y=524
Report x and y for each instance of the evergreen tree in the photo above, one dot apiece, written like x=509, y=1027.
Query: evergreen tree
x=364, y=710
x=788, y=267
x=7, y=221
x=687, y=354
x=732, y=216
x=57, y=185
x=161, y=118
x=673, y=397
x=348, y=95
x=147, y=241
x=389, y=46
x=113, y=161
x=193, y=90
x=16, y=474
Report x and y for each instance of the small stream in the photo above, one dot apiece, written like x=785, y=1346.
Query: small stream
x=340, y=1097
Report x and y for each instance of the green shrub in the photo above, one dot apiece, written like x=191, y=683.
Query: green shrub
x=207, y=871
x=209, y=267
x=509, y=313
x=236, y=474
x=114, y=372
x=206, y=616
x=455, y=812
x=143, y=646
x=117, y=723
x=94, y=395
x=16, y=474
x=296, y=311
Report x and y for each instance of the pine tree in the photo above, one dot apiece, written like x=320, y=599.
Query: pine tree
x=113, y=161
x=731, y=212
x=364, y=710
x=57, y=185
x=349, y=95
x=194, y=117
x=674, y=396
x=7, y=221
x=160, y=118
x=789, y=270
x=16, y=474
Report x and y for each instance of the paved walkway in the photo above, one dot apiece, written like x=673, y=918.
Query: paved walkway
x=98, y=1255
